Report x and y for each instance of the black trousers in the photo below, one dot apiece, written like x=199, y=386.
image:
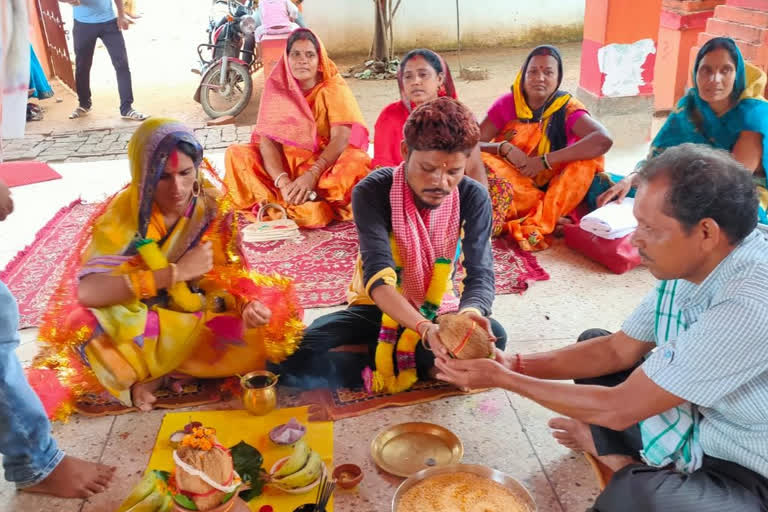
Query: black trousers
x=312, y=365
x=84, y=36
x=718, y=486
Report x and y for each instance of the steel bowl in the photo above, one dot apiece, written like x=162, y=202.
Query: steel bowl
x=484, y=471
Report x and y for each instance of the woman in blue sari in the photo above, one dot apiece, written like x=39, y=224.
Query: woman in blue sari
x=37, y=79
x=725, y=109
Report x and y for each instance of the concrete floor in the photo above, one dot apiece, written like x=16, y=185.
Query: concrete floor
x=498, y=428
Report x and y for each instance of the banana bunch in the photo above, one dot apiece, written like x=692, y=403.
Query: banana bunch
x=150, y=495
x=302, y=468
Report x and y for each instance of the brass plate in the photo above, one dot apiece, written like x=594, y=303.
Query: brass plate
x=407, y=448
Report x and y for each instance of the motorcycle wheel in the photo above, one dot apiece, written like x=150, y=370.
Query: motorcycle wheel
x=235, y=96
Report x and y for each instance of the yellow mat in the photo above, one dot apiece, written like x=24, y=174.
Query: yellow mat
x=235, y=426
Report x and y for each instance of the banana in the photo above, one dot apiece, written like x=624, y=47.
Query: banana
x=155, y=502
x=143, y=489
x=296, y=461
x=311, y=471
x=167, y=505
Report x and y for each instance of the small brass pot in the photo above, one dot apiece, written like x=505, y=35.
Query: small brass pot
x=259, y=392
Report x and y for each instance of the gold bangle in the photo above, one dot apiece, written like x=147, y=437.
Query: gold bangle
x=545, y=161
x=279, y=177
x=129, y=284
x=174, y=274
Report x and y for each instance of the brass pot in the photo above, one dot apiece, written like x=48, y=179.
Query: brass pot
x=259, y=392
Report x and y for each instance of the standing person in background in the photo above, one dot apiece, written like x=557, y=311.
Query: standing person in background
x=14, y=68
x=95, y=19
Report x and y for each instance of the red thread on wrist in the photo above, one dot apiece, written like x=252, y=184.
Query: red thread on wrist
x=418, y=326
x=519, y=364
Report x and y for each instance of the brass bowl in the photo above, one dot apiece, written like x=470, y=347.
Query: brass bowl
x=520, y=492
x=259, y=392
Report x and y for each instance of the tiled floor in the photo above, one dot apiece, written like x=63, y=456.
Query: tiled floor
x=498, y=428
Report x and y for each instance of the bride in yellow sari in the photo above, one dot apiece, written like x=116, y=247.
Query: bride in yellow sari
x=161, y=287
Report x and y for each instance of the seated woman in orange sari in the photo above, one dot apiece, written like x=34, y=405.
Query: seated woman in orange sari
x=309, y=145
x=158, y=285
x=543, y=142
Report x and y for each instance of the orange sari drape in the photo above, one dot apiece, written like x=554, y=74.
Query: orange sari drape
x=302, y=123
x=539, y=202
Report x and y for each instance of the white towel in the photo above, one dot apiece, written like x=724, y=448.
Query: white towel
x=612, y=221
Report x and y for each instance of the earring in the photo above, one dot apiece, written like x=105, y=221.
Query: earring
x=196, y=189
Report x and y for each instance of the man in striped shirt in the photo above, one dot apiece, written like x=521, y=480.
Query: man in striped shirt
x=676, y=402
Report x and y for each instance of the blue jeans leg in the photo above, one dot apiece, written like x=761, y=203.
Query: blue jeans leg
x=29, y=451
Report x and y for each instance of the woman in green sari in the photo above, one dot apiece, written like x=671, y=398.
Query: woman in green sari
x=725, y=109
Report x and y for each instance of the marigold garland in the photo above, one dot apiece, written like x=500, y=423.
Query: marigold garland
x=384, y=378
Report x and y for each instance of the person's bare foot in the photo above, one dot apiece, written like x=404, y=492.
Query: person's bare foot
x=177, y=381
x=559, y=231
x=143, y=394
x=573, y=434
x=577, y=436
x=75, y=478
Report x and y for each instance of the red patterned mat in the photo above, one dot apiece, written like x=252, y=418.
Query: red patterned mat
x=32, y=276
x=321, y=261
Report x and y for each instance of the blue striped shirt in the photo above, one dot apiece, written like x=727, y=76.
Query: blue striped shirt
x=719, y=362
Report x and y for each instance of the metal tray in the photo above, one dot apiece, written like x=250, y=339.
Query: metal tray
x=407, y=448
x=497, y=476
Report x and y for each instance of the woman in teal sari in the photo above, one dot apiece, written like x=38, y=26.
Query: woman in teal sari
x=725, y=109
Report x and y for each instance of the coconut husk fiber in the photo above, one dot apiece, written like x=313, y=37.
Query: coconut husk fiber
x=216, y=463
x=464, y=338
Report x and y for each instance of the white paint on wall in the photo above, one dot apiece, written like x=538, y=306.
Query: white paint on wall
x=623, y=66
x=348, y=25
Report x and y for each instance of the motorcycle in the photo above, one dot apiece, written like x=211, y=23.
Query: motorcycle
x=227, y=82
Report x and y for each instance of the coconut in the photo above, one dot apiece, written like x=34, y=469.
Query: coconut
x=216, y=463
x=464, y=338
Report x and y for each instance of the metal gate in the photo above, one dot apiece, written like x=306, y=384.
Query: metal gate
x=56, y=41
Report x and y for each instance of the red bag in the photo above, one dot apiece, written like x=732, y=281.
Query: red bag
x=618, y=255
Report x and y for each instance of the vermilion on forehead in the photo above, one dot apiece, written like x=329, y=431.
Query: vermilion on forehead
x=175, y=164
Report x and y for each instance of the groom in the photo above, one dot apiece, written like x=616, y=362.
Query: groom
x=413, y=222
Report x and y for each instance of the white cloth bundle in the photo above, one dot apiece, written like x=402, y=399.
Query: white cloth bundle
x=612, y=221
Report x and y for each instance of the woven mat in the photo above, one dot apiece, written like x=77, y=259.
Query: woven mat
x=343, y=403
